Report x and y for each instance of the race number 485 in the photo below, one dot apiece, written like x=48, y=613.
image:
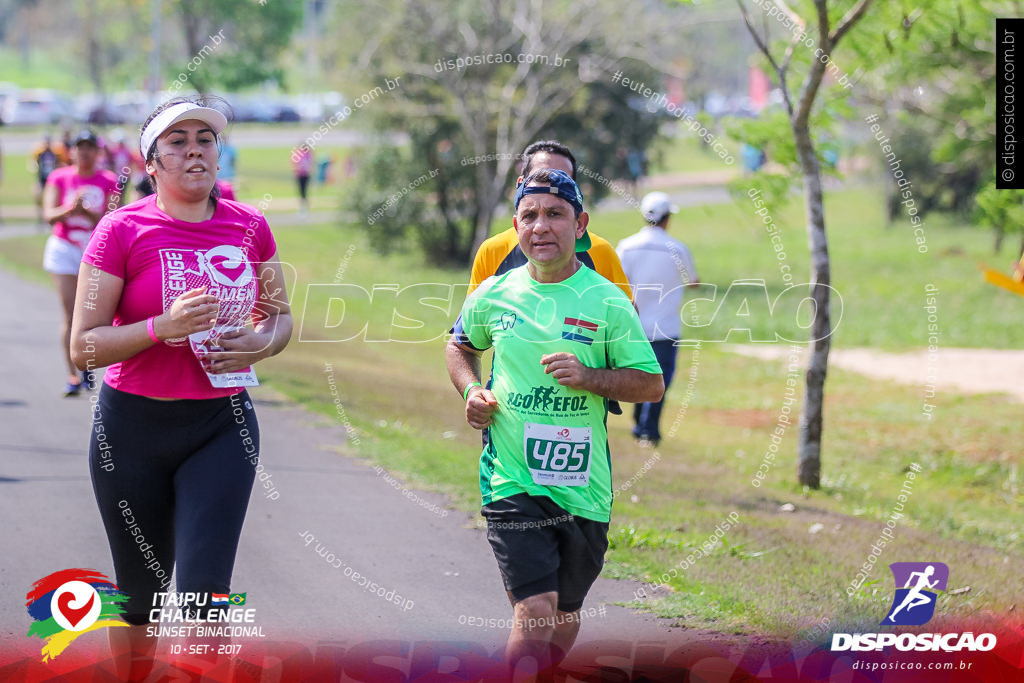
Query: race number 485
x=558, y=455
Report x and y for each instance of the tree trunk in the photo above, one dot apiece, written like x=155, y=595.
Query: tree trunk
x=809, y=469
x=1000, y=234
x=191, y=19
x=488, y=196
x=94, y=56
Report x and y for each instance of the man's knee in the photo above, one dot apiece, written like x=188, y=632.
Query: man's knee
x=537, y=610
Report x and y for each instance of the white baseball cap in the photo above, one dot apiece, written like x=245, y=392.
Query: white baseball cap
x=656, y=205
x=172, y=115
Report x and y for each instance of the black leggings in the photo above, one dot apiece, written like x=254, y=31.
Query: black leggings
x=172, y=481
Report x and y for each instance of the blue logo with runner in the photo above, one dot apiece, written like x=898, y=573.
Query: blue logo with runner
x=917, y=587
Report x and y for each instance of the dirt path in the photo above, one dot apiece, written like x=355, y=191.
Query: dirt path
x=972, y=371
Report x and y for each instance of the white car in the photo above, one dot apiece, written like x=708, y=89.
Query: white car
x=34, y=107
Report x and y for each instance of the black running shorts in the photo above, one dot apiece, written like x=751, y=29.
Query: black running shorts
x=542, y=548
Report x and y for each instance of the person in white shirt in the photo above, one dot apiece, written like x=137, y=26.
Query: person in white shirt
x=658, y=267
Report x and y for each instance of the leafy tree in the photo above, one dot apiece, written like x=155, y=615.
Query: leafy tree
x=932, y=91
x=824, y=25
x=256, y=34
x=468, y=118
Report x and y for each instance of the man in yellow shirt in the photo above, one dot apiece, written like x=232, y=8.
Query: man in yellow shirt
x=501, y=253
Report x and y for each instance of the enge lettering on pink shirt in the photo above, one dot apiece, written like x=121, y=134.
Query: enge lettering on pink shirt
x=159, y=258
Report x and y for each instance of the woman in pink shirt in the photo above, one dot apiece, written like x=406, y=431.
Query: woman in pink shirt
x=180, y=293
x=74, y=199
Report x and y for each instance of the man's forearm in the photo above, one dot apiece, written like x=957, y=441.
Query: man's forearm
x=463, y=366
x=625, y=384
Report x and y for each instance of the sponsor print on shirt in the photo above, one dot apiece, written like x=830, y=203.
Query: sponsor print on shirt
x=227, y=274
x=550, y=400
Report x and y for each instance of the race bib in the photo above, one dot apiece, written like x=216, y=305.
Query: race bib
x=201, y=345
x=557, y=456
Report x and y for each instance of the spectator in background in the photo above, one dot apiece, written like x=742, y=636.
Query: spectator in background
x=323, y=170
x=753, y=158
x=658, y=267
x=226, y=168
x=228, y=158
x=119, y=156
x=44, y=160
x=68, y=144
x=302, y=166
x=636, y=164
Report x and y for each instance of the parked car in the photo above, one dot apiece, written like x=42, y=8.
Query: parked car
x=34, y=107
x=7, y=91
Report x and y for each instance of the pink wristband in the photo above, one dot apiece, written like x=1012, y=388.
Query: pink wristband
x=150, y=330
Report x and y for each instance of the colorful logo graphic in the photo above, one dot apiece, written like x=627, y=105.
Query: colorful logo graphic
x=579, y=330
x=914, y=603
x=71, y=602
x=225, y=264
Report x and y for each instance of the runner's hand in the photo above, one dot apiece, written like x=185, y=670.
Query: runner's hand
x=237, y=349
x=567, y=369
x=193, y=311
x=480, y=405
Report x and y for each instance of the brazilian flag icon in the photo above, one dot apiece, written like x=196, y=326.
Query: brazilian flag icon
x=237, y=598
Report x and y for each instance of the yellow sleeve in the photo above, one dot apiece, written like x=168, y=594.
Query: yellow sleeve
x=489, y=256
x=607, y=263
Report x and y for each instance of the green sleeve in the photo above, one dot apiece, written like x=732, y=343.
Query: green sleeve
x=628, y=346
x=475, y=326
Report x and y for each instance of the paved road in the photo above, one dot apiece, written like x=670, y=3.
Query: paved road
x=441, y=563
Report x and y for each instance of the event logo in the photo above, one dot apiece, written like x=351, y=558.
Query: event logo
x=914, y=603
x=71, y=602
x=508, y=320
x=225, y=599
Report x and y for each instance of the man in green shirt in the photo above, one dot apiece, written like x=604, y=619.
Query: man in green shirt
x=566, y=341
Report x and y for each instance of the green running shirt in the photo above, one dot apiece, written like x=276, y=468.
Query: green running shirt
x=547, y=439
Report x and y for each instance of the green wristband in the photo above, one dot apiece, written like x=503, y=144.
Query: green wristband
x=465, y=392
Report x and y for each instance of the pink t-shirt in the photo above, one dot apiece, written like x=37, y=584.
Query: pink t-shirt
x=227, y=191
x=99, y=192
x=159, y=258
x=302, y=161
